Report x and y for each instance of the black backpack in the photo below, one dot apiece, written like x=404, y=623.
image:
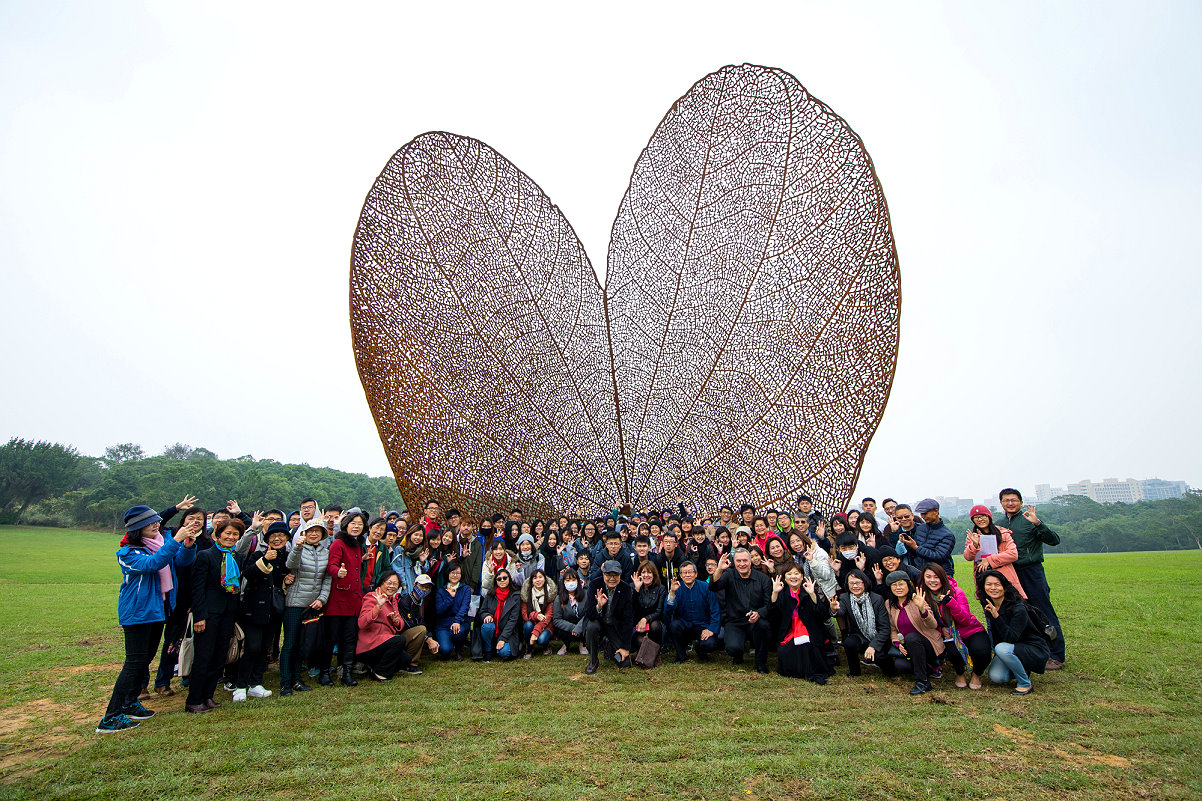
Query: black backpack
x=1041, y=622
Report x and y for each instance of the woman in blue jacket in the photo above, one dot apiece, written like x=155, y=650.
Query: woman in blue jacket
x=144, y=602
x=451, y=604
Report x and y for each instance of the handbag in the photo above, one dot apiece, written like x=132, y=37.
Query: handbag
x=648, y=655
x=237, y=645
x=187, y=649
x=277, y=601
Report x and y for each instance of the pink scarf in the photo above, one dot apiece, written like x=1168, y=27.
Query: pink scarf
x=165, y=582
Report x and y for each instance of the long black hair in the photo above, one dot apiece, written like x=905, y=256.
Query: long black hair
x=1011, y=593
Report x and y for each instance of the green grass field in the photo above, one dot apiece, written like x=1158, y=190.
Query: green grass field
x=1122, y=720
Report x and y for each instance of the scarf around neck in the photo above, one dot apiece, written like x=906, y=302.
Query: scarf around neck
x=861, y=610
x=231, y=575
x=165, y=582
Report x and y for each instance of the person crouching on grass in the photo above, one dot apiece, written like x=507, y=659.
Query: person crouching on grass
x=914, y=631
x=380, y=645
x=144, y=603
x=1019, y=647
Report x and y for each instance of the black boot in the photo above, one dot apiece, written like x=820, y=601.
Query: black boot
x=323, y=678
x=300, y=687
x=348, y=677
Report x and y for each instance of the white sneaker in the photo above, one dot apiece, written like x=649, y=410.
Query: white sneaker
x=239, y=695
x=258, y=691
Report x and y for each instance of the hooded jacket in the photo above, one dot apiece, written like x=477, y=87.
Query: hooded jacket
x=547, y=607
x=312, y=583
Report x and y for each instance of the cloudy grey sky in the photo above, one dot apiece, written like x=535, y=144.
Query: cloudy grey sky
x=179, y=185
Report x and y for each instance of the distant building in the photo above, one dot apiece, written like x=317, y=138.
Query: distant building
x=1111, y=490
x=1046, y=492
x=1156, y=489
x=954, y=507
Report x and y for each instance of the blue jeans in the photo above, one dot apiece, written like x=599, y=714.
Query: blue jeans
x=1006, y=666
x=488, y=634
x=450, y=643
x=543, y=638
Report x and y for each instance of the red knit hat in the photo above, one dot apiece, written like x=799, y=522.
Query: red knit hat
x=980, y=509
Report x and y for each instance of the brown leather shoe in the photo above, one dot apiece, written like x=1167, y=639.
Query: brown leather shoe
x=144, y=695
x=211, y=704
x=163, y=692
x=1054, y=664
x=196, y=709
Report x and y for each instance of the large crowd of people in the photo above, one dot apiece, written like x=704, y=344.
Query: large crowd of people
x=335, y=594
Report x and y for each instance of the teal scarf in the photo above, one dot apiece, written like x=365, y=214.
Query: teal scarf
x=231, y=576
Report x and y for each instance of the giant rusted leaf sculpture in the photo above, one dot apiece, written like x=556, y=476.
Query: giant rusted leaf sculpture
x=742, y=348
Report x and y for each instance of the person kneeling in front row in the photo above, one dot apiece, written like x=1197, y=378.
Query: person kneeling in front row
x=693, y=614
x=1019, y=647
x=609, y=614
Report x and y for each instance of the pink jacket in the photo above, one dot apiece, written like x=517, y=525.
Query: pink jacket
x=956, y=607
x=1002, y=561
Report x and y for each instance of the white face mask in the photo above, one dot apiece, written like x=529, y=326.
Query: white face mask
x=570, y=586
x=849, y=554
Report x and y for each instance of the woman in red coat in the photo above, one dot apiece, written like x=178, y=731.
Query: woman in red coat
x=346, y=597
x=381, y=646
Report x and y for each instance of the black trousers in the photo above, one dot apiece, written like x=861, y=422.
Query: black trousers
x=173, y=632
x=257, y=650
x=1039, y=595
x=141, y=643
x=655, y=630
x=208, y=663
x=594, y=632
x=683, y=633
x=854, y=647
x=736, y=635
x=980, y=651
x=921, y=657
x=388, y=657
x=342, y=631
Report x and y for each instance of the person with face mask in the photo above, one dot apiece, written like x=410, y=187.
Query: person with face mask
x=567, y=613
x=411, y=606
x=529, y=560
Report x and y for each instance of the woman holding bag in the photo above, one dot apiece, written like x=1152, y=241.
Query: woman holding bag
x=143, y=604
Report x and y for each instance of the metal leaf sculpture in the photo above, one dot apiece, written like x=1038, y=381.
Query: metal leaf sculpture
x=743, y=347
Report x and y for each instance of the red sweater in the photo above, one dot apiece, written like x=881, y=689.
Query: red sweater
x=377, y=624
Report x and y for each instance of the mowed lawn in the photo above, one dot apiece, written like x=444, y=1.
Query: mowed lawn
x=1122, y=720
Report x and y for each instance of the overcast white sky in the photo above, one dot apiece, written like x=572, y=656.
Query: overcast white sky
x=179, y=186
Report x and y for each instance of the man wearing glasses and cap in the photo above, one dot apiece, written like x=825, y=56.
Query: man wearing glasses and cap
x=609, y=614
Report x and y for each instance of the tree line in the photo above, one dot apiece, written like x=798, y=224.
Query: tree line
x=1086, y=526
x=45, y=483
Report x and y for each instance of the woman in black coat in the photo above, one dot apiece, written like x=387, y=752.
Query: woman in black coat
x=1019, y=646
x=801, y=626
x=497, y=620
x=649, y=595
x=567, y=618
x=265, y=574
x=216, y=588
x=867, y=624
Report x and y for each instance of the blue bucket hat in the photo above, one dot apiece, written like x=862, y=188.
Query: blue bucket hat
x=139, y=517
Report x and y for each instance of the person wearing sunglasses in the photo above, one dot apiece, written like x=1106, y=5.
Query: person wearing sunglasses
x=497, y=620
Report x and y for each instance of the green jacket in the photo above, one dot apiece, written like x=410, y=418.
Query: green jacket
x=1029, y=539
